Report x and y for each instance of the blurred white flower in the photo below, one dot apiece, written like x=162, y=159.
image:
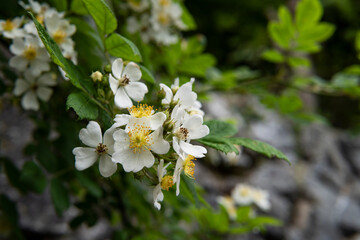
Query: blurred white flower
x=99, y=147
x=33, y=88
x=138, y=5
x=29, y=54
x=165, y=182
x=124, y=83
x=242, y=194
x=11, y=28
x=229, y=205
x=261, y=199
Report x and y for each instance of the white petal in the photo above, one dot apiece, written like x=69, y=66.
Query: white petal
x=18, y=46
x=185, y=95
x=20, y=87
x=42, y=54
x=121, y=140
x=47, y=79
x=176, y=145
x=84, y=157
x=133, y=162
x=109, y=140
x=168, y=94
x=114, y=84
x=122, y=100
x=117, y=68
x=195, y=150
x=157, y=120
x=106, y=166
x=136, y=90
x=121, y=119
x=91, y=135
x=44, y=93
x=194, y=125
x=38, y=66
x=158, y=196
x=19, y=63
x=132, y=71
x=29, y=101
x=159, y=146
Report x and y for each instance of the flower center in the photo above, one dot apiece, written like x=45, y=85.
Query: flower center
x=135, y=3
x=167, y=182
x=182, y=133
x=101, y=149
x=59, y=36
x=140, y=111
x=163, y=18
x=8, y=25
x=245, y=192
x=40, y=19
x=30, y=52
x=164, y=2
x=140, y=138
x=189, y=166
x=124, y=80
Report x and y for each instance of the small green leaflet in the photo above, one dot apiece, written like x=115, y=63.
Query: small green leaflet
x=119, y=46
x=82, y=105
x=221, y=138
x=33, y=177
x=59, y=196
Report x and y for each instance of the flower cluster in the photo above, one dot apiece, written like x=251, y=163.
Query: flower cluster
x=143, y=138
x=245, y=195
x=30, y=58
x=158, y=20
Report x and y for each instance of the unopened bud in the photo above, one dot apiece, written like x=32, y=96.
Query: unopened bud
x=173, y=103
x=169, y=125
x=107, y=68
x=174, y=89
x=96, y=76
x=161, y=94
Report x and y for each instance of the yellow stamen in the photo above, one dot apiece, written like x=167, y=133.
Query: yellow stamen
x=59, y=36
x=189, y=166
x=143, y=110
x=8, y=25
x=30, y=52
x=164, y=2
x=140, y=138
x=163, y=18
x=167, y=182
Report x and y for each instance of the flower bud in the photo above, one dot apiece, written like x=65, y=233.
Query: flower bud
x=161, y=94
x=169, y=125
x=96, y=76
x=107, y=68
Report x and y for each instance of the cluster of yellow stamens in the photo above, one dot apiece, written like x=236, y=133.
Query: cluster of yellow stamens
x=30, y=52
x=189, y=166
x=167, y=182
x=59, y=36
x=182, y=133
x=164, y=2
x=143, y=110
x=8, y=25
x=101, y=149
x=140, y=138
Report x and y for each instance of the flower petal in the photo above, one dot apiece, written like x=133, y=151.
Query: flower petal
x=168, y=94
x=84, y=157
x=132, y=71
x=121, y=119
x=91, y=135
x=106, y=166
x=157, y=120
x=176, y=145
x=18, y=62
x=20, y=87
x=185, y=95
x=29, y=101
x=117, y=68
x=194, y=125
x=159, y=146
x=44, y=93
x=133, y=162
x=114, y=84
x=121, y=140
x=122, y=100
x=18, y=46
x=136, y=90
x=47, y=79
x=158, y=196
x=109, y=140
x=195, y=150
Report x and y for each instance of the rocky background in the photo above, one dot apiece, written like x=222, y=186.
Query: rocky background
x=317, y=197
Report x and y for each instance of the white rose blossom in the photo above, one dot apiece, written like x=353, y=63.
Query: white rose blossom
x=261, y=199
x=133, y=147
x=29, y=55
x=184, y=162
x=33, y=88
x=165, y=182
x=242, y=194
x=124, y=83
x=98, y=147
x=11, y=28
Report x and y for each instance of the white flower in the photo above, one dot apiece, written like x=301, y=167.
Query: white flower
x=124, y=83
x=61, y=30
x=33, y=88
x=229, y=205
x=132, y=147
x=138, y=5
x=99, y=147
x=187, y=129
x=142, y=26
x=165, y=182
x=11, y=28
x=41, y=11
x=142, y=114
x=184, y=95
x=242, y=194
x=165, y=14
x=29, y=53
x=184, y=162
x=261, y=199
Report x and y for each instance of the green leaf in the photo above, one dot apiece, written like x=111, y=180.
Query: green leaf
x=60, y=5
x=59, y=196
x=90, y=185
x=13, y=175
x=298, y=62
x=317, y=33
x=276, y=31
x=102, y=14
x=70, y=69
x=260, y=147
x=84, y=107
x=33, y=177
x=263, y=220
x=220, y=128
x=147, y=75
x=219, y=143
x=78, y=7
x=353, y=69
x=8, y=208
x=307, y=13
x=273, y=55
x=357, y=42
x=189, y=183
x=45, y=156
x=119, y=46
x=197, y=65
